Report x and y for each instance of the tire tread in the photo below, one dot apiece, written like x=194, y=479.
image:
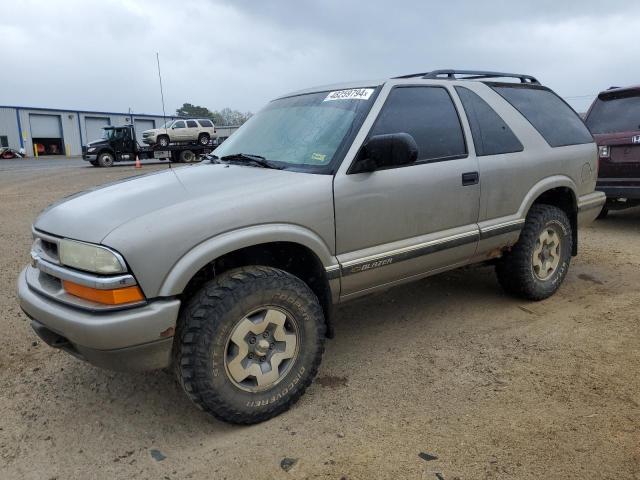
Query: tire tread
x=210, y=302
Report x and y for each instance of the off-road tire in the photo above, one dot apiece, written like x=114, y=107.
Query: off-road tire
x=204, y=139
x=105, y=160
x=209, y=317
x=515, y=269
x=163, y=141
x=187, y=156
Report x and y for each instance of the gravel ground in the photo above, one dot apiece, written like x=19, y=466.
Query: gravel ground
x=445, y=378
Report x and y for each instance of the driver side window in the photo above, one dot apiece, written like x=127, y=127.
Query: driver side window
x=179, y=124
x=429, y=116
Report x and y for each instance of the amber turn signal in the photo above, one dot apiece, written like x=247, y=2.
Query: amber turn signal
x=116, y=296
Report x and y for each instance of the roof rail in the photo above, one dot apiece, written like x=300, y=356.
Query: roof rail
x=471, y=75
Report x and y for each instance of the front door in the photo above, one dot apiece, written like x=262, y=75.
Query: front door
x=399, y=223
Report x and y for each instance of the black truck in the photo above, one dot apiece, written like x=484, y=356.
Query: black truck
x=119, y=144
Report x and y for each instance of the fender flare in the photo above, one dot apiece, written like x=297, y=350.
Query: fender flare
x=106, y=150
x=544, y=185
x=189, y=264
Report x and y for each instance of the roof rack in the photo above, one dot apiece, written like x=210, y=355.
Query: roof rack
x=471, y=75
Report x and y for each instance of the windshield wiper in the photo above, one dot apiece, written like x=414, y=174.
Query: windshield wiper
x=248, y=159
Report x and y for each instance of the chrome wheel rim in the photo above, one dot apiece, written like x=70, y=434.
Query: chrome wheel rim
x=261, y=349
x=546, y=254
x=204, y=140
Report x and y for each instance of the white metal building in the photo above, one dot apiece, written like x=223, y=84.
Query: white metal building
x=64, y=132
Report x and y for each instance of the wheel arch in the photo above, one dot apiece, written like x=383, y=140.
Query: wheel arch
x=559, y=191
x=106, y=150
x=291, y=248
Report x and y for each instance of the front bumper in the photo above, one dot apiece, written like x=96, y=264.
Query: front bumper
x=89, y=157
x=589, y=207
x=631, y=192
x=138, y=338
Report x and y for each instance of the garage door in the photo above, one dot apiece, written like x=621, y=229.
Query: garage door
x=45, y=126
x=93, y=127
x=46, y=134
x=141, y=126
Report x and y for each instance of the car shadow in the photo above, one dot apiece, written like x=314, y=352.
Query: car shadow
x=145, y=400
x=627, y=219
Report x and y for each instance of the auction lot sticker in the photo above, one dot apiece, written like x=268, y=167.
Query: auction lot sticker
x=351, y=94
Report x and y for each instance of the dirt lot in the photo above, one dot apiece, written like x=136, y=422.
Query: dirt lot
x=448, y=367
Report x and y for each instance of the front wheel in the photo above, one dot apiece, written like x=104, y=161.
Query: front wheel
x=536, y=266
x=105, y=160
x=163, y=141
x=94, y=163
x=249, y=343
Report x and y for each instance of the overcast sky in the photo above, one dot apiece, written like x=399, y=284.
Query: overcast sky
x=100, y=55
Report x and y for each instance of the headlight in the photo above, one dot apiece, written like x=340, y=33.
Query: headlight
x=92, y=258
x=91, y=149
x=603, y=151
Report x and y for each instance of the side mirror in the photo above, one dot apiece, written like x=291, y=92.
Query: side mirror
x=386, y=151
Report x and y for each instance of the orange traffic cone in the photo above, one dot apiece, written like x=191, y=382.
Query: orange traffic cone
x=138, y=162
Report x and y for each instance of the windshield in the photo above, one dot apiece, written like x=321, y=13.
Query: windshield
x=616, y=114
x=303, y=132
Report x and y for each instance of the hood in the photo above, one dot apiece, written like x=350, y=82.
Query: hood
x=95, y=143
x=154, y=130
x=173, y=195
x=90, y=215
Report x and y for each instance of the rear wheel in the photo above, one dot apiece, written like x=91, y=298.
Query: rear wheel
x=204, y=139
x=105, y=160
x=249, y=343
x=536, y=266
x=163, y=141
x=187, y=156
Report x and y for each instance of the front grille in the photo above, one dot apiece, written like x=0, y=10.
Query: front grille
x=46, y=247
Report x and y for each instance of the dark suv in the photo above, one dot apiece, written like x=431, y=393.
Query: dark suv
x=614, y=121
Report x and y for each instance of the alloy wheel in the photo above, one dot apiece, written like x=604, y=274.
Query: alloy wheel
x=261, y=349
x=546, y=254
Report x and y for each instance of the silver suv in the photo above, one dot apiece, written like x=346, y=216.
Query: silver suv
x=228, y=270
x=182, y=130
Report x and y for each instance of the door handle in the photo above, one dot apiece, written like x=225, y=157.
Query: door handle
x=470, y=178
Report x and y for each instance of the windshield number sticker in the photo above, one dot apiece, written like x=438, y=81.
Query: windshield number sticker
x=351, y=94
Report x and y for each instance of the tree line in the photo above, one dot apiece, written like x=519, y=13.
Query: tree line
x=226, y=116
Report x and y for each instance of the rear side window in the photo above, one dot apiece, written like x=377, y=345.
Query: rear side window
x=192, y=124
x=549, y=114
x=429, y=116
x=205, y=123
x=491, y=135
x=615, y=112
